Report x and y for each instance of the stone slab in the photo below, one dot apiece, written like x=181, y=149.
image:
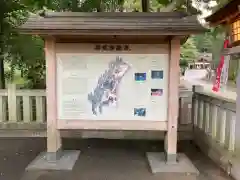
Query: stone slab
x=65, y=162
x=158, y=164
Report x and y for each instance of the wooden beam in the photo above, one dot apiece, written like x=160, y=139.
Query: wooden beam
x=53, y=134
x=173, y=104
x=112, y=125
x=231, y=51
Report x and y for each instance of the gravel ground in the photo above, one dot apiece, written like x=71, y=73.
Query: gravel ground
x=99, y=160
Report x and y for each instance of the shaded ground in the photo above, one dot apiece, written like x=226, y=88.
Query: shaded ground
x=99, y=160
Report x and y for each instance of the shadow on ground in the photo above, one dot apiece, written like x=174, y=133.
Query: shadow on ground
x=99, y=160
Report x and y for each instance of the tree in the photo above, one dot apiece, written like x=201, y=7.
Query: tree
x=189, y=52
x=203, y=42
x=9, y=11
x=26, y=52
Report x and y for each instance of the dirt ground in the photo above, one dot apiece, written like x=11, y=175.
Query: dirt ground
x=99, y=160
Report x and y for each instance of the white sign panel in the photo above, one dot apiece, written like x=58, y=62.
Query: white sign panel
x=112, y=87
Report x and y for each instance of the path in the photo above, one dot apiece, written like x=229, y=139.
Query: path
x=99, y=160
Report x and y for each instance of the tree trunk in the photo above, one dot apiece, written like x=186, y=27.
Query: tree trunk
x=75, y=7
x=2, y=77
x=145, y=5
x=100, y=7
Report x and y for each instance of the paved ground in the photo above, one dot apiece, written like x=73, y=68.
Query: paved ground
x=99, y=160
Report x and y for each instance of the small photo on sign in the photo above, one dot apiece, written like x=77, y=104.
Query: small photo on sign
x=156, y=92
x=157, y=74
x=139, y=77
x=140, y=112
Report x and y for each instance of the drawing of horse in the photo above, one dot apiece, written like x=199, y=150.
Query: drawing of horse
x=105, y=93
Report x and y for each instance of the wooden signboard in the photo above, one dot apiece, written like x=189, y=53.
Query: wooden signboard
x=111, y=85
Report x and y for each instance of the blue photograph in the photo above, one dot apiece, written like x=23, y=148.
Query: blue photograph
x=139, y=77
x=157, y=74
x=140, y=112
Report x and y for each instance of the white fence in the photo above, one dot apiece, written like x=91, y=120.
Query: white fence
x=215, y=127
x=22, y=108
x=26, y=110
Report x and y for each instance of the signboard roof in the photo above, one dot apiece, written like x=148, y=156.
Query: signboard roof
x=117, y=23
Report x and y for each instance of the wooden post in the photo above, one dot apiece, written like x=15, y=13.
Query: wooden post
x=207, y=119
x=214, y=116
x=237, y=125
x=3, y=108
x=27, y=109
x=194, y=113
x=173, y=86
x=39, y=109
x=222, y=126
x=53, y=134
x=12, y=103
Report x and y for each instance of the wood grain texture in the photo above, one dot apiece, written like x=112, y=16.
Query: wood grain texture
x=112, y=23
x=53, y=135
x=173, y=96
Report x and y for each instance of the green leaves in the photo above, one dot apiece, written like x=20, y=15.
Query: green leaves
x=164, y=2
x=189, y=52
x=26, y=53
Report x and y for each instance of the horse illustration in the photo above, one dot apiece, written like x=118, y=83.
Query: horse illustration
x=105, y=93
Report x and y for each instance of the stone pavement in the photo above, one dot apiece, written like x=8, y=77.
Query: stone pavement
x=99, y=160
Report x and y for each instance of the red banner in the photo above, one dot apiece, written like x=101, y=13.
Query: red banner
x=216, y=85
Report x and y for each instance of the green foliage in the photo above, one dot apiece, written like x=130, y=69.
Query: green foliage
x=19, y=51
x=183, y=63
x=132, y=5
x=28, y=55
x=203, y=42
x=25, y=53
x=9, y=12
x=233, y=76
x=189, y=52
x=211, y=42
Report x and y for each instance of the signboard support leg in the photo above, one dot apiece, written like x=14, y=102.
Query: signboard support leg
x=53, y=134
x=173, y=86
x=54, y=158
x=170, y=161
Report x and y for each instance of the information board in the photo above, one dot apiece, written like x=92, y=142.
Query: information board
x=112, y=86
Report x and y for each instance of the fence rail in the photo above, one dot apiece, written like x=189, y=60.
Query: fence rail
x=215, y=126
x=217, y=118
x=26, y=109
x=22, y=106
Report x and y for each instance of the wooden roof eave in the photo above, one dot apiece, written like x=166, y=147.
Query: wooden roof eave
x=226, y=14
x=70, y=23
x=226, y=20
x=109, y=32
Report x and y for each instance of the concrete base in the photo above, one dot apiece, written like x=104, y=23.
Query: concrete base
x=158, y=164
x=65, y=162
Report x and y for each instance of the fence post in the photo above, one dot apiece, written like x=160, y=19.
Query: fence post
x=12, y=103
x=39, y=109
x=194, y=104
x=27, y=109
